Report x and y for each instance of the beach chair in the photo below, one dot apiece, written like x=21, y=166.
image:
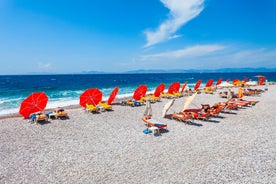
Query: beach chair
x=209, y=90
x=105, y=106
x=38, y=117
x=200, y=114
x=183, y=117
x=60, y=113
x=154, y=98
x=148, y=121
x=167, y=95
x=177, y=94
x=92, y=108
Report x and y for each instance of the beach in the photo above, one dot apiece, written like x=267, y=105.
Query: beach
x=110, y=147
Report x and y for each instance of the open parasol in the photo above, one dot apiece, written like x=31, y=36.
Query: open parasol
x=262, y=81
x=219, y=81
x=174, y=87
x=33, y=103
x=209, y=83
x=183, y=87
x=139, y=92
x=92, y=95
x=159, y=89
x=197, y=85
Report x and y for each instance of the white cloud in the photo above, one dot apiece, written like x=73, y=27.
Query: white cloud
x=44, y=66
x=194, y=51
x=181, y=11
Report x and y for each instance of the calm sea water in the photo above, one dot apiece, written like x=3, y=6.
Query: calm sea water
x=65, y=90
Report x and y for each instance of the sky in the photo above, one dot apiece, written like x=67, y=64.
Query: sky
x=68, y=36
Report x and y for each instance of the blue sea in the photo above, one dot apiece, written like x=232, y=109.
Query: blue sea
x=64, y=90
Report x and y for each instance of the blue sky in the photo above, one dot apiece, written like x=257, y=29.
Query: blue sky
x=68, y=36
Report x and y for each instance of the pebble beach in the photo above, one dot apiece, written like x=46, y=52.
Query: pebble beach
x=110, y=147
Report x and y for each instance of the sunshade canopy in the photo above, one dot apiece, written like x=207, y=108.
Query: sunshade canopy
x=237, y=82
x=225, y=84
x=112, y=95
x=197, y=85
x=90, y=96
x=159, y=89
x=219, y=81
x=262, y=81
x=174, y=87
x=183, y=87
x=209, y=83
x=139, y=92
x=35, y=102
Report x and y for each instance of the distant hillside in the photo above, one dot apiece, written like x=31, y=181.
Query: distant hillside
x=222, y=70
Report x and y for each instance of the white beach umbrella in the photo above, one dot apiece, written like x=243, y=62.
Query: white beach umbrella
x=225, y=84
x=251, y=83
x=166, y=107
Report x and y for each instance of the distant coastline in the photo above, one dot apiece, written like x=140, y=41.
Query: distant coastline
x=160, y=71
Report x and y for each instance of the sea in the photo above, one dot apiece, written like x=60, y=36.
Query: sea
x=64, y=90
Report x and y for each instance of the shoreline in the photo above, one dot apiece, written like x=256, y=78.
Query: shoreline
x=116, y=100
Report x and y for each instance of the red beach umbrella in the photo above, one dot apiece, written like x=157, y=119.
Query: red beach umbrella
x=262, y=81
x=92, y=95
x=219, y=81
x=197, y=85
x=35, y=102
x=159, y=89
x=174, y=87
x=183, y=87
x=209, y=83
x=139, y=92
x=235, y=81
x=112, y=95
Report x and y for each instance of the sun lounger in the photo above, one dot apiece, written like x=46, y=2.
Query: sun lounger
x=38, y=117
x=184, y=117
x=153, y=122
x=60, y=113
x=154, y=98
x=167, y=95
x=105, y=106
x=92, y=108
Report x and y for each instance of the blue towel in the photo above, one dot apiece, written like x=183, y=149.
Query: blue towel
x=147, y=131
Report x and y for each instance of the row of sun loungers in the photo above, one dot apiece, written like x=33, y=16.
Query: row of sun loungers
x=40, y=117
x=204, y=113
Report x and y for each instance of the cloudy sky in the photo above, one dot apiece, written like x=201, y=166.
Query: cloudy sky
x=68, y=36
